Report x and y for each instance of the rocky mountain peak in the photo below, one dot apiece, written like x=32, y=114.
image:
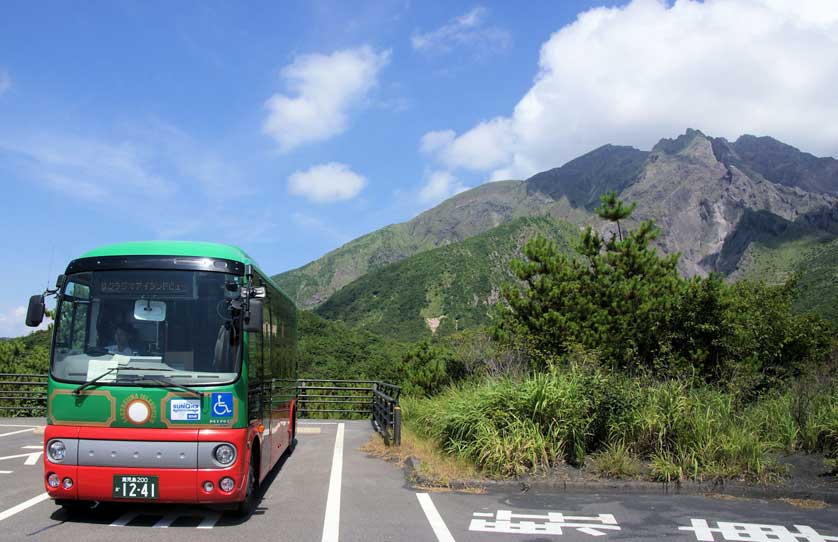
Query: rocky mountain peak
x=702, y=191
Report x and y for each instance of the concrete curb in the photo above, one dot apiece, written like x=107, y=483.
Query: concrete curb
x=640, y=487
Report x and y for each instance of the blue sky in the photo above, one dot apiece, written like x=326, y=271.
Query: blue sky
x=291, y=128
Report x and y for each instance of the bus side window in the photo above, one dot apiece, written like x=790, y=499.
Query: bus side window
x=277, y=355
x=255, y=362
x=267, y=313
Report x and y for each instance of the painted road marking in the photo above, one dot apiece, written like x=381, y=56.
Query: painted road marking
x=318, y=423
x=166, y=521
x=754, y=531
x=309, y=430
x=331, y=522
x=437, y=524
x=31, y=458
x=19, y=425
x=33, y=447
x=23, y=506
x=28, y=430
x=6, y=471
x=209, y=520
x=125, y=519
x=551, y=523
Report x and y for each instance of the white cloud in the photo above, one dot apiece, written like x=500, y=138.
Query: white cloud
x=13, y=322
x=5, y=81
x=153, y=175
x=441, y=185
x=634, y=74
x=433, y=141
x=313, y=223
x=326, y=183
x=325, y=88
x=468, y=30
x=91, y=169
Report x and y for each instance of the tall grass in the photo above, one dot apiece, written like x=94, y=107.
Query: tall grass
x=507, y=427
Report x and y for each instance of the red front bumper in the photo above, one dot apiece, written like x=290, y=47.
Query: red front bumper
x=175, y=485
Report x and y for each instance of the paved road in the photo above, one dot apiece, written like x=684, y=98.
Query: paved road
x=323, y=492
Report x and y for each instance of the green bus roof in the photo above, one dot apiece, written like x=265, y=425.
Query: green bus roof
x=180, y=248
x=172, y=248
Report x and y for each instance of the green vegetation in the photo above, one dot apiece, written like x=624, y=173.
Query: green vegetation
x=335, y=350
x=452, y=287
x=811, y=258
x=583, y=414
x=635, y=370
x=26, y=355
x=631, y=306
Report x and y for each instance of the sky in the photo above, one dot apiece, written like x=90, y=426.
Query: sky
x=291, y=128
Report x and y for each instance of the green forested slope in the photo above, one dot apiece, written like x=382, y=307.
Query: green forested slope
x=812, y=257
x=460, y=217
x=456, y=285
x=29, y=354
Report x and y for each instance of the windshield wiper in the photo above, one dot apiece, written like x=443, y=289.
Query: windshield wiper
x=111, y=370
x=169, y=384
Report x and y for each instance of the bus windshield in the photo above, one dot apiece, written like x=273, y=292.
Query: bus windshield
x=122, y=326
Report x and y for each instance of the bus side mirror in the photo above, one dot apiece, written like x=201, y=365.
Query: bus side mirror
x=35, y=313
x=254, y=322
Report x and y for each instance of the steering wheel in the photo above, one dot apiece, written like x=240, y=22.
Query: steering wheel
x=96, y=351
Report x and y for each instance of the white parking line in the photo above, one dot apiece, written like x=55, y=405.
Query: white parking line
x=28, y=456
x=23, y=506
x=27, y=430
x=166, y=521
x=6, y=471
x=125, y=519
x=33, y=447
x=209, y=520
x=319, y=423
x=331, y=523
x=33, y=458
x=19, y=425
x=437, y=524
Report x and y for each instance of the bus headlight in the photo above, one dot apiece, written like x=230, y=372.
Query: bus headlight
x=225, y=454
x=56, y=450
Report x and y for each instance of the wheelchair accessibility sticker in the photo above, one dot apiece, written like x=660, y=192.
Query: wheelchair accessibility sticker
x=222, y=405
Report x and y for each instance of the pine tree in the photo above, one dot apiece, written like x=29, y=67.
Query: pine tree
x=615, y=297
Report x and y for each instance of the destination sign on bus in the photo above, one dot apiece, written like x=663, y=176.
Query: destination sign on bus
x=145, y=287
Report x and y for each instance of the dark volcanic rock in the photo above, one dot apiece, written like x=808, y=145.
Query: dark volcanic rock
x=584, y=179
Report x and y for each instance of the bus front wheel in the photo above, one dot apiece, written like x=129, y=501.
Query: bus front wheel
x=245, y=508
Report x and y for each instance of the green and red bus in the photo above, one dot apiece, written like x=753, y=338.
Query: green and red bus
x=172, y=376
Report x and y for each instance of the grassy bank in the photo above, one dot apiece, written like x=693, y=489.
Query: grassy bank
x=619, y=426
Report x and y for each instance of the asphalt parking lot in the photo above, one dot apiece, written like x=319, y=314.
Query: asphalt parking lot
x=329, y=490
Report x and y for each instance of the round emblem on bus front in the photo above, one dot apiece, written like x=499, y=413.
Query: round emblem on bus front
x=138, y=411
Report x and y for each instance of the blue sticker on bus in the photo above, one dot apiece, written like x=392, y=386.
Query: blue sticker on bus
x=222, y=405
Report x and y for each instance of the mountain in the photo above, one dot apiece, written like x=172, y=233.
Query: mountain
x=582, y=180
x=441, y=290
x=711, y=198
x=465, y=215
x=786, y=165
x=779, y=249
x=698, y=195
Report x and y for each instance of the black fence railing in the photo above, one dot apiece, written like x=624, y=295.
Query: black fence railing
x=26, y=395
x=23, y=394
x=379, y=401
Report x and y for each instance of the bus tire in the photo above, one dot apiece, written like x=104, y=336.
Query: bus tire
x=245, y=508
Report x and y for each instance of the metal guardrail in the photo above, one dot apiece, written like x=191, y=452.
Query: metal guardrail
x=26, y=394
x=23, y=394
x=319, y=398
